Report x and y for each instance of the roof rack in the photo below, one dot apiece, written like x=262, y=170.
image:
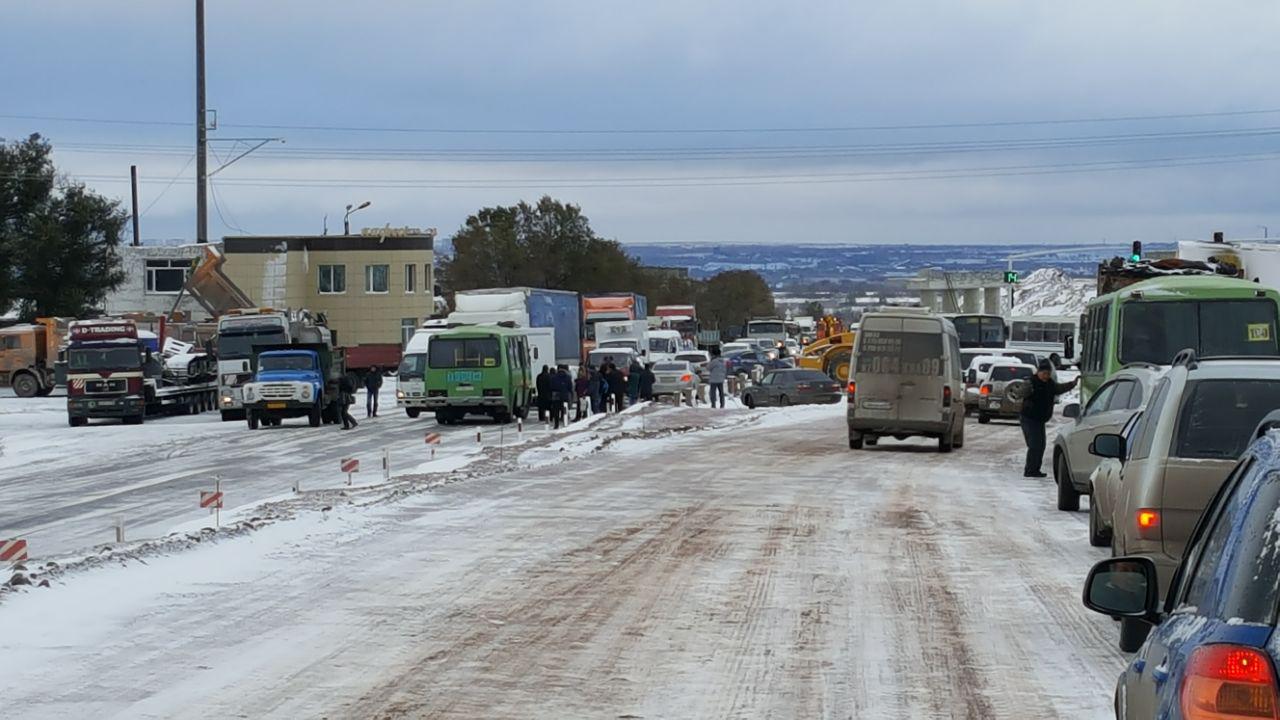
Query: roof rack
x=1186, y=357
x=1140, y=364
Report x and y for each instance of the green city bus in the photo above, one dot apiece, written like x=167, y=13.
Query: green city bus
x=1153, y=320
x=480, y=370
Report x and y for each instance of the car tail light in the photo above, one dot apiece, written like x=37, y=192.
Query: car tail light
x=853, y=390
x=493, y=392
x=803, y=386
x=985, y=390
x=686, y=378
x=1228, y=682
x=1148, y=520
x=946, y=396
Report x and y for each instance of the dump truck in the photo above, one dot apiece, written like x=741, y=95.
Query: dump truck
x=29, y=356
x=116, y=371
x=294, y=380
x=240, y=331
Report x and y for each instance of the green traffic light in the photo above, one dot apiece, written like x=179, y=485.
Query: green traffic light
x=1135, y=258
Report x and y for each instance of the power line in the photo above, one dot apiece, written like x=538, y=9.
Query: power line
x=172, y=180
x=657, y=131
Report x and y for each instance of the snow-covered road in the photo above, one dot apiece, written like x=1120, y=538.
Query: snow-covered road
x=761, y=570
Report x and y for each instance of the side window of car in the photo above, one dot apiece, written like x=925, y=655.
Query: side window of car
x=1135, y=396
x=1151, y=420
x=1098, y=403
x=1120, y=398
x=1202, y=569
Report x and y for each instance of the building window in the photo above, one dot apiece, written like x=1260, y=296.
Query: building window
x=333, y=279
x=167, y=276
x=407, y=328
x=410, y=278
x=376, y=278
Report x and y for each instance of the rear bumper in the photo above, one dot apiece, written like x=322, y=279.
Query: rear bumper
x=884, y=426
x=108, y=407
x=464, y=402
x=999, y=407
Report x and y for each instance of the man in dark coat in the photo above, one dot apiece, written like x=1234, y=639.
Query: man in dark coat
x=372, y=384
x=634, y=371
x=595, y=389
x=1037, y=409
x=543, y=385
x=346, y=397
x=561, y=392
x=617, y=388
x=647, y=379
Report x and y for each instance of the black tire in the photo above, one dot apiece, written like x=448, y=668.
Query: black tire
x=1133, y=633
x=26, y=385
x=958, y=442
x=228, y=415
x=749, y=401
x=855, y=442
x=946, y=443
x=1068, y=498
x=871, y=440
x=314, y=416
x=134, y=419
x=1098, y=536
x=251, y=419
x=783, y=400
x=46, y=391
x=413, y=412
x=77, y=421
x=983, y=418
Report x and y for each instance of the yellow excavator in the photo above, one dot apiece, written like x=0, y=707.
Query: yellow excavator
x=832, y=355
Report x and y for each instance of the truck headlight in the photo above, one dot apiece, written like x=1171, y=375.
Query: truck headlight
x=306, y=392
x=400, y=394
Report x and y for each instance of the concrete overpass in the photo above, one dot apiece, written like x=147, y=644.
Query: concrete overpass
x=970, y=291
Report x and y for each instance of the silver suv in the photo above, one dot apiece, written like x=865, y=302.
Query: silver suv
x=1106, y=412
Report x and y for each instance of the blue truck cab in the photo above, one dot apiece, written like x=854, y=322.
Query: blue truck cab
x=297, y=381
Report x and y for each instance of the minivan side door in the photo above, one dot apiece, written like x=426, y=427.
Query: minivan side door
x=1106, y=412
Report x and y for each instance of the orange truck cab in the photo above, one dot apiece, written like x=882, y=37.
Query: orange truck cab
x=27, y=356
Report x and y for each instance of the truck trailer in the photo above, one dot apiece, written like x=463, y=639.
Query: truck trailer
x=609, y=307
x=526, y=307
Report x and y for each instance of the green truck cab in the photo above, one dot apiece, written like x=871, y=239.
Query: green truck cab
x=478, y=370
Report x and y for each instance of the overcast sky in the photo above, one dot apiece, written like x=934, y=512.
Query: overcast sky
x=783, y=96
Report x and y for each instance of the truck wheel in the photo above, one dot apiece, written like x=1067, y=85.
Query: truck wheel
x=749, y=401
x=77, y=421
x=413, y=412
x=313, y=417
x=45, y=391
x=983, y=418
x=252, y=419
x=25, y=385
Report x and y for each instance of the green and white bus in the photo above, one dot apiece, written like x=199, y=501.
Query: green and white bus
x=481, y=370
x=1151, y=321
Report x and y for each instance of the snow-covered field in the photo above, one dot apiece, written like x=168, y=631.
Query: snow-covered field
x=675, y=564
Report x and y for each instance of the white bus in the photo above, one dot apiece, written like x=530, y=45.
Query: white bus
x=1045, y=334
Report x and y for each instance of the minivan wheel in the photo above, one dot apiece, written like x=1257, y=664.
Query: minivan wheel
x=1098, y=537
x=855, y=441
x=1068, y=498
x=945, y=443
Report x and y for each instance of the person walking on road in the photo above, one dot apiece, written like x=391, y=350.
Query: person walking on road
x=634, y=371
x=580, y=392
x=617, y=388
x=595, y=388
x=1037, y=409
x=716, y=374
x=372, y=385
x=346, y=398
x=543, y=385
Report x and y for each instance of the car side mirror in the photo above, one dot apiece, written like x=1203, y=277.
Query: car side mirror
x=1123, y=587
x=1072, y=411
x=1108, y=445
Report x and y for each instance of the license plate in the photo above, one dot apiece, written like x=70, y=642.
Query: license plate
x=994, y=405
x=876, y=405
x=275, y=406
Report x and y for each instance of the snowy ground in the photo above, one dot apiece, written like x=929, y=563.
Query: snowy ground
x=753, y=569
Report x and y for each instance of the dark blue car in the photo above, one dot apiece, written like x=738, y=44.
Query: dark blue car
x=746, y=361
x=1213, y=652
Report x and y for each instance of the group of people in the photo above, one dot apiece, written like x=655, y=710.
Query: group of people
x=593, y=391
x=347, y=396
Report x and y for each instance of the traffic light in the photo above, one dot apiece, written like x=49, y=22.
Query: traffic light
x=1136, y=255
x=1011, y=277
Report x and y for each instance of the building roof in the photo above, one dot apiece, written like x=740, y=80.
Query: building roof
x=317, y=243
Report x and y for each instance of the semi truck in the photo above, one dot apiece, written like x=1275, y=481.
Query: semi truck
x=114, y=371
x=682, y=318
x=609, y=307
x=241, y=330
x=525, y=307
x=29, y=356
x=294, y=380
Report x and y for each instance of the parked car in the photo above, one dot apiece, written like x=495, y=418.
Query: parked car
x=1200, y=418
x=793, y=387
x=1104, y=485
x=1212, y=654
x=751, y=363
x=906, y=379
x=977, y=368
x=996, y=396
x=1107, y=411
x=675, y=378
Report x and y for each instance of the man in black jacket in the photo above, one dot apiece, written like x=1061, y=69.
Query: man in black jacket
x=1037, y=409
x=346, y=396
x=542, y=385
x=372, y=386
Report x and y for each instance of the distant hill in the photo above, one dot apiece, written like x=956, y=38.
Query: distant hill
x=784, y=265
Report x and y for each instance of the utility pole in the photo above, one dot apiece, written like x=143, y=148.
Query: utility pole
x=202, y=208
x=133, y=184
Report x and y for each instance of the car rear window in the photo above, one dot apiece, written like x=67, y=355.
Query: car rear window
x=670, y=367
x=1005, y=373
x=1218, y=417
x=900, y=353
x=811, y=376
x=692, y=358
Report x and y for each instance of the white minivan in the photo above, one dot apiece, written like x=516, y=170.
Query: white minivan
x=906, y=379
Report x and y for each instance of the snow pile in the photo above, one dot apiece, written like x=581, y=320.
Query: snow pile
x=1051, y=291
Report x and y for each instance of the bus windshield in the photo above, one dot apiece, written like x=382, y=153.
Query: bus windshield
x=987, y=331
x=766, y=328
x=448, y=352
x=1155, y=332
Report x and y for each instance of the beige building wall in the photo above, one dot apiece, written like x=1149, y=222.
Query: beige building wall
x=286, y=272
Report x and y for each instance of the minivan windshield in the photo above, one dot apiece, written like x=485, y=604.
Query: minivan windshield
x=464, y=352
x=413, y=366
x=893, y=352
x=1155, y=332
x=1218, y=417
